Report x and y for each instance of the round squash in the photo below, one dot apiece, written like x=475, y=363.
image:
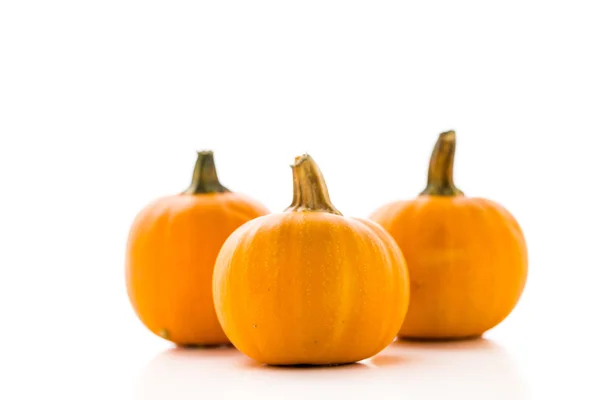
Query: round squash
x=171, y=252
x=467, y=257
x=308, y=285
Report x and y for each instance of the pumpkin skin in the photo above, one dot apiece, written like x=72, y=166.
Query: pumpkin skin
x=172, y=247
x=467, y=257
x=309, y=286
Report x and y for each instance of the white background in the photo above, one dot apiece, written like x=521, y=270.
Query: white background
x=104, y=103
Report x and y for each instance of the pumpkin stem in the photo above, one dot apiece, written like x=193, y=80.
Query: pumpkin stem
x=310, y=189
x=440, y=181
x=205, y=179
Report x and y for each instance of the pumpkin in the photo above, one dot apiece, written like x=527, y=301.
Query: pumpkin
x=308, y=285
x=467, y=257
x=171, y=251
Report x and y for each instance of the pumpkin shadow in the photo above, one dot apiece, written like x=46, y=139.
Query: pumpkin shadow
x=189, y=347
x=179, y=356
x=471, y=369
x=383, y=360
x=469, y=344
x=185, y=372
x=303, y=368
x=188, y=374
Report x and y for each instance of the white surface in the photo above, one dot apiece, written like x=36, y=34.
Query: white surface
x=102, y=105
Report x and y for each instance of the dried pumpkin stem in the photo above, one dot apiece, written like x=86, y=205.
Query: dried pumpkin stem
x=310, y=189
x=440, y=181
x=296, y=191
x=205, y=179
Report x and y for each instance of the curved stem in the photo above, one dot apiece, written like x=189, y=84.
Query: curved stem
x=440, y=181
x=296, y=192
x=205, y=179
x=310, y=189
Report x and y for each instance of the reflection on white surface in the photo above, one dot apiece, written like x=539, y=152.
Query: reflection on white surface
x=477, y=369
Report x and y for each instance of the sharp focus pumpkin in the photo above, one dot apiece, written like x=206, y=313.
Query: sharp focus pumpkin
x=467, y=257
x=308, y=285
x=171, y=252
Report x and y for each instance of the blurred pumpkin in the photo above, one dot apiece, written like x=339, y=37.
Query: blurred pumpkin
x=171, y=252
x=467, y=257
x=308, y=285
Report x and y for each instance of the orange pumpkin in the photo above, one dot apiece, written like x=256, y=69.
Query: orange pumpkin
x=467, y=257
x=309, y=286
x=171, y=252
